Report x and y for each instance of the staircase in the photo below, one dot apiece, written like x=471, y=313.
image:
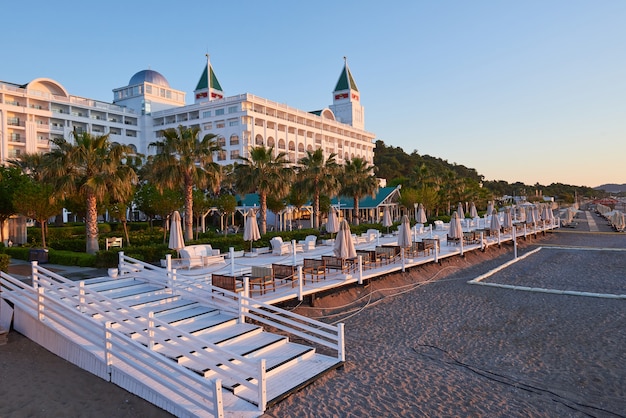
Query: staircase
x=289, y=366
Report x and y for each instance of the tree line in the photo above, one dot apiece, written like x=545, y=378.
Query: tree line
x=88, y=174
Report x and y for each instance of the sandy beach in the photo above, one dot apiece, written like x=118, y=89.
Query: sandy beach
x=422, y=343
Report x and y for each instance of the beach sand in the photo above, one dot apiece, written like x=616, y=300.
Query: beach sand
x=421, y=343
x=447, y=348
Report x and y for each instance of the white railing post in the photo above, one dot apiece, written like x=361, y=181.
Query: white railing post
x=246, y=286
x=341, y=344
x=360, y=269
x=40, y=304
x=300, y=280
x=514, y=242
x=231, y=252
x=217, y=398
x=482, y=241
x=293, y=247
x=498, y=237
x=402, y=258
x=120, y=260
x=262, y=382
x=108, y=346
x=241, y=310
x=436, y=251
x=151, y=330
x=81, y=297
x=461, y=242
x=33, y=267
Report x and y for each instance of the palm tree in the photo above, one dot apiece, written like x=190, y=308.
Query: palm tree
x=93, y=169
x=318, y=176
x=183, y=159
x=264, y=173
x=358, y=181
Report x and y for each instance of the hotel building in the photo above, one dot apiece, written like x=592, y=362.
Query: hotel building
x=32, y=114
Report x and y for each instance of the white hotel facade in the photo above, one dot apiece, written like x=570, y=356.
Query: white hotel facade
x=32, y=114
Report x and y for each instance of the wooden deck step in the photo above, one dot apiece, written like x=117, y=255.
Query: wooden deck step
x=292, y=379
x=139, y=300
x=216, y=320
x=92, y=281
x=278, y=357
x=250, y=343
x=172, y=306
x=129, y=291
x=112, y=284
x=220, y=334
x=196, y=311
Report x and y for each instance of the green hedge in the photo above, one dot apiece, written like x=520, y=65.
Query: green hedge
x=5, y=260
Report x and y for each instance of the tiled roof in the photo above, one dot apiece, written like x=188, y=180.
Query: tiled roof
x=368, y=202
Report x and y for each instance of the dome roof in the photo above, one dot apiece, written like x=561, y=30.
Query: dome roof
x=149, y=76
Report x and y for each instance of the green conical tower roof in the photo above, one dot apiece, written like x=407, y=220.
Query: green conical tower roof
x=215, y=84
x=346, y=82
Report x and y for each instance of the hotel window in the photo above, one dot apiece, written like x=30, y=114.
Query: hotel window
x=148, y=89
x=234, y=154
x=208, y=126
x=232, y=109
x=220, y=124
x=221, y=141
x=234, y=140
x=206, y=114
x=219, y=112
x=234, y=122
x=221, y=155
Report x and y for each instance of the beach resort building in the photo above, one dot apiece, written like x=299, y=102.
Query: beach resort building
x=33, y=114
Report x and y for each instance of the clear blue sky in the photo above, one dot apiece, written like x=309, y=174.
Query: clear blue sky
x=531, y=91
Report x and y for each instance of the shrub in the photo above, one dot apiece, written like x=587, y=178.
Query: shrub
x=5, y=260
x=70, y=258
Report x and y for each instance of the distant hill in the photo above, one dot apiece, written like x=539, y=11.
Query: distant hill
x=612, y=188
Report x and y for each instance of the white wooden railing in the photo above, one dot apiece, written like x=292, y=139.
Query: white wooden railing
x=330, y=336
x=68, y=307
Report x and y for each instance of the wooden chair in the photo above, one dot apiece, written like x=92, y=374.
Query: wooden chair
x=315, y=268
x=369, y=258
x=261, y=277
x=226, y=282
x=284, y=272
x=337, y=263
x=425, y=247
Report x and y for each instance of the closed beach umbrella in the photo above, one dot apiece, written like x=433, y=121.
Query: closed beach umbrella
x=473, y=211
x=455, y=231
x=344, y=245
x=507, y=221
x=521, y=213
x=251, y=229
x=489, y=207
x=421, y=215
x=332, y=225
x=459, y=211
x=404, y=233
x=536, y=214
x=176, y=241
x=530, y=215
x=387, y=218
x=495, y=221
